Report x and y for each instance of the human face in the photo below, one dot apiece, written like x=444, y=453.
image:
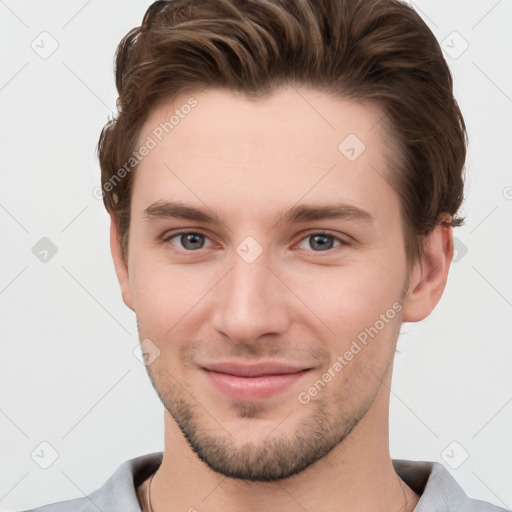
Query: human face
x=259, y=302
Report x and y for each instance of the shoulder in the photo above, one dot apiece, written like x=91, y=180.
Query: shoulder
x=438, y=489
x=119, y=492
x=76, y=505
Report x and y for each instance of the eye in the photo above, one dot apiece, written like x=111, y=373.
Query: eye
x=188, y=240
x=321, y=242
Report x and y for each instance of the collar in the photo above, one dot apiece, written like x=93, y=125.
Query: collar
x=438, y=489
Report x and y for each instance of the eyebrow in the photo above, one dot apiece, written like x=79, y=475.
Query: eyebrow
x=296, y=214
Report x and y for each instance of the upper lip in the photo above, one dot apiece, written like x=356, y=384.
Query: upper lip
x=253, y=370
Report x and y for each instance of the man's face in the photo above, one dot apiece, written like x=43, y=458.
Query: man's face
x=252, y=304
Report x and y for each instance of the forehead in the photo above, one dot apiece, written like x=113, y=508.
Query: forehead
x=259, y=153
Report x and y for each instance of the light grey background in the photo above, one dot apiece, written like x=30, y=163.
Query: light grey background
x=69, y=376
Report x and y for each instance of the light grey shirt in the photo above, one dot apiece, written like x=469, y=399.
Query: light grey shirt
x=438, y=489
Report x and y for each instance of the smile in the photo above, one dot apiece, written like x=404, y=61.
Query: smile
x=252, y=382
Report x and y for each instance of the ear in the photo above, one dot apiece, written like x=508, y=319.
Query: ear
x=119, y=262
x=428, y=278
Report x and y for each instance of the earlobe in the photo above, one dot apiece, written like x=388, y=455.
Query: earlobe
x=428, y=279
x=119, y=263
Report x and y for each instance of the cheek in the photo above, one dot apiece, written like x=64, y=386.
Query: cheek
x=165, y=296
x=350, y=298
x=362, y=310
x=164, y=300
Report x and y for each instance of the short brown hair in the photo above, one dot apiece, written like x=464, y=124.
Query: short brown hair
x=378, y=51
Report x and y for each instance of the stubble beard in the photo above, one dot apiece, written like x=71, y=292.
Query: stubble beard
x=274, y=457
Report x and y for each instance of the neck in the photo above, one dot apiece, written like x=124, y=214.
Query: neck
x=356, y=476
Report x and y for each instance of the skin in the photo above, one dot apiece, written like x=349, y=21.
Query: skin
x=247, y=162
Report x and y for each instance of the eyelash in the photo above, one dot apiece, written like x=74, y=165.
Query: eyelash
x=341, y=241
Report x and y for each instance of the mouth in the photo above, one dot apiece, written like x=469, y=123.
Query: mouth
x=254, y=382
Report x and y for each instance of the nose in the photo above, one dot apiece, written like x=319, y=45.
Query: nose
x=250, y=302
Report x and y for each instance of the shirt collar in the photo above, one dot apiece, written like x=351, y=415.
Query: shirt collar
x=438, y=489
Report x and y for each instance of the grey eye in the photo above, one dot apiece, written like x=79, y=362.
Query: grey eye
x=321, y=242
x=190, y=241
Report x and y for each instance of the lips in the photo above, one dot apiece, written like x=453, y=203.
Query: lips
x=253, y=370
x=254, y=382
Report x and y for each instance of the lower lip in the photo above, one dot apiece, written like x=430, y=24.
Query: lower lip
x=252, y=388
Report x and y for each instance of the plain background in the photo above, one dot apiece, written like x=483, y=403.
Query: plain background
x=69, y=373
